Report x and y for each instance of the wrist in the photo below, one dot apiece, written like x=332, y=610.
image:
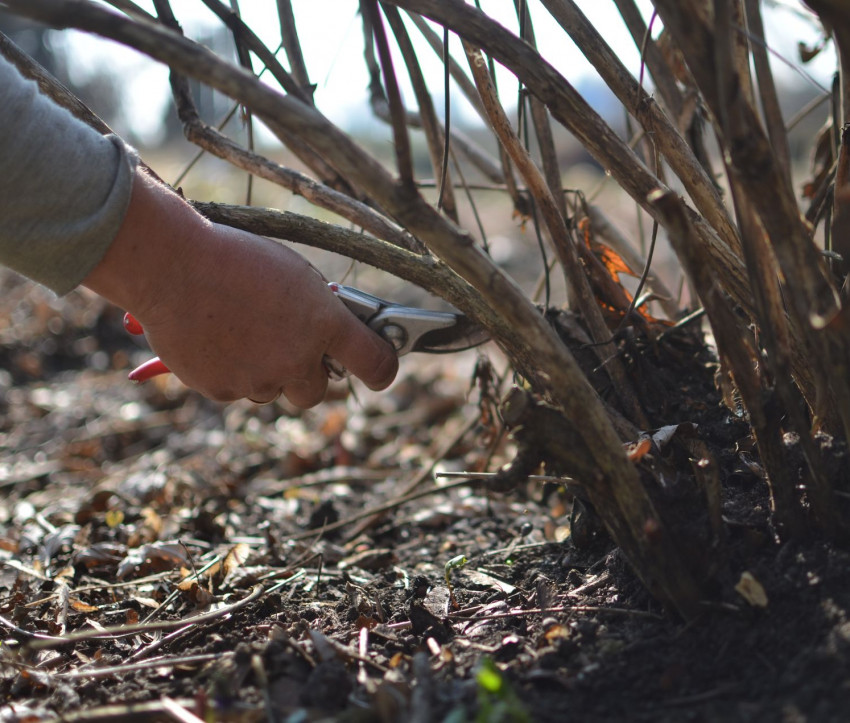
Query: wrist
x=150, y=250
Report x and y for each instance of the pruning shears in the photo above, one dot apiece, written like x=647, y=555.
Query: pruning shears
x=406, y=328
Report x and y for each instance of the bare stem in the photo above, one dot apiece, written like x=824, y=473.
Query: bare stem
x=562, y=242
x=289, y=39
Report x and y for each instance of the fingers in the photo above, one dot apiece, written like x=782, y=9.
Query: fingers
x=304, y=394
x=305, y=390
x=263, y=401
x=365, y=354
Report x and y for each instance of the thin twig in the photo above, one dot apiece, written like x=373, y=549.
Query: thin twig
x=401, y=139
x=667, y=138
x=470, y=92
x=447, y=114
x=423, y=474
x=380, y=509
x=164, y=662
x=45, y=642
x=436, y=137
x=556, y=225
x=457, y=73
x=289, y=40
x=244, y=55
x=561, y=609
x=252, y=41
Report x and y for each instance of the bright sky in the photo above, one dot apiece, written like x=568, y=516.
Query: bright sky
x=332, y=41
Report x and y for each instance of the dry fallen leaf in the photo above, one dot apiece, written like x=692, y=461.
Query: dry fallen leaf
x=82, y=607
x=114, y=518
x=154, y=557
x=751, y=590
x=636, y=451
x=235, y=558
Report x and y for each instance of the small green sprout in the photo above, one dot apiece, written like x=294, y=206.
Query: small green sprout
x=454, y=564
x=497, y=702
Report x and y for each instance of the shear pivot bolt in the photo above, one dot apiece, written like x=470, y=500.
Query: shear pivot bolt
x=395, y=335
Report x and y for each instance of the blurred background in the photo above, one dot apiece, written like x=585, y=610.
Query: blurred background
x=131, y=93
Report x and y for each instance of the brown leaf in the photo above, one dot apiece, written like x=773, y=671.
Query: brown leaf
x=235, y=558
x=809, y=52
x=155, y=557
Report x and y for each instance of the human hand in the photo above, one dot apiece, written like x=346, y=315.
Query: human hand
x=232, y=314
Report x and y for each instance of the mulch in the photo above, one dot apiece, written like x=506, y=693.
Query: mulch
x=166, y=558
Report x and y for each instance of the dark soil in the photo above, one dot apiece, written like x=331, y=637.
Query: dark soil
x=141, y=506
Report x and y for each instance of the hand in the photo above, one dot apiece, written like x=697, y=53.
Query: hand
x=232, y=314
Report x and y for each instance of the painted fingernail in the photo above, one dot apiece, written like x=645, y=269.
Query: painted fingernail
x=151, y=368
x=132, y=325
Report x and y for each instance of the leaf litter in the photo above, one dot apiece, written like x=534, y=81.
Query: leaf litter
x=163, y=557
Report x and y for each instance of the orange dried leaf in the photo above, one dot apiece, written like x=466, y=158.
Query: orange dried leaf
x=334, y=422
x=636, y=451
x=152, y=520
x=81, y=607
x=395, y=661
x=615, y=263
x=556, y=632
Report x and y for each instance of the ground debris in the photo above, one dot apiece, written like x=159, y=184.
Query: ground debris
x=252, y=563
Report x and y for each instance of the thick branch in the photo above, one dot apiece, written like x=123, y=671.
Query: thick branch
x=50, y=86
x=738, y=350
x=752, y=158
x=515, y=324
x=811, y=299
x=316, y=193
x=427, y=272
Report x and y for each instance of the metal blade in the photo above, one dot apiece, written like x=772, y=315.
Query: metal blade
x=463, y=334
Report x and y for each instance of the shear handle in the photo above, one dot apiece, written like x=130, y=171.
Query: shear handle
x=364, y=306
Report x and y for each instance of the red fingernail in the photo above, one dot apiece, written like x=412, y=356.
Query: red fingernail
x=132, y=325
x=151, y=368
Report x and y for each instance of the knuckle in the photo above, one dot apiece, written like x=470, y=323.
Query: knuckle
x=305, y=396
x=220, y=394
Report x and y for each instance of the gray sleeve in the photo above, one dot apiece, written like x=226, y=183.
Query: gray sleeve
x=64, y=188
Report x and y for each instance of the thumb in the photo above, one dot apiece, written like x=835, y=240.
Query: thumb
x=365, y=354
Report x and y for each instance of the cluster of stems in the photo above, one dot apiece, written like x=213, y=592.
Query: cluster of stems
x=771, y=297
